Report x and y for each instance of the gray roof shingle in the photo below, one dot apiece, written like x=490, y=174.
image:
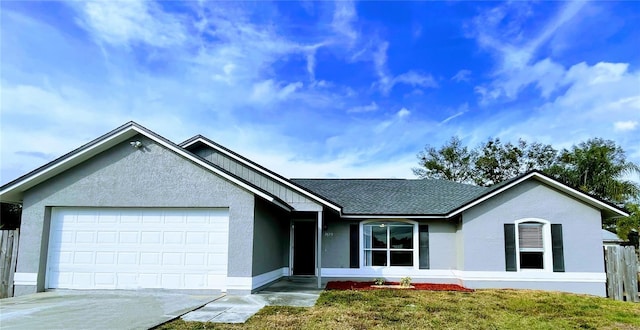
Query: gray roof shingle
x=394, y=196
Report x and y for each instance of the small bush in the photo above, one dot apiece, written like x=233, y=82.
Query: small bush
x=378, y=281
x=405, y=281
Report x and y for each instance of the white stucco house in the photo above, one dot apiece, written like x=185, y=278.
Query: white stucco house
x=132, y=210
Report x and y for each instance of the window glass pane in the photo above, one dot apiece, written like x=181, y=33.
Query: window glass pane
x=401, y=237
x=530, y=236
x=531, y=260
x=367, y=236
x=378, y=258
x=379, y=236
x=401, y=258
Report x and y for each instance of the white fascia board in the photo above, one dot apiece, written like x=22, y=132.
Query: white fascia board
x=394, y=216
x=566, y=189
x=264, y=172
x=69, y=162
x=102, y=145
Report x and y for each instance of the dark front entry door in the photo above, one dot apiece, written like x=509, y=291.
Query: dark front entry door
x=304, y=248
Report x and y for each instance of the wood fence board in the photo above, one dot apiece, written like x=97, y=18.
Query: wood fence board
x=8, y=257
x=622, y=273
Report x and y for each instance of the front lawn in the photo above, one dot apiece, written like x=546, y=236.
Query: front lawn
x=408, y=309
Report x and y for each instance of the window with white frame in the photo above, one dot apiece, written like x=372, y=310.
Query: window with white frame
x=534, y=245
x=531, y=245
x=388, y=243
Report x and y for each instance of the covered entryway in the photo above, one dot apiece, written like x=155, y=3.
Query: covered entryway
x=132, y=248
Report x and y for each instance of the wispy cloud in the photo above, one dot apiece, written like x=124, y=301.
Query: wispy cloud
x=518, y=67
x=344, y=18
x=125, y=22
x=623, y=126
x=364, y=108
x=462, y=75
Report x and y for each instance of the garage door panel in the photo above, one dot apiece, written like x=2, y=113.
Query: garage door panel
x=138, y=248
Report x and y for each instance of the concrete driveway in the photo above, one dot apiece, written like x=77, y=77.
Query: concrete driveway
x=98, y=309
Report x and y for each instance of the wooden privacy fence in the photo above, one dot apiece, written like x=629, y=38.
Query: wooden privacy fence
x=8, y=257
x=621, y=264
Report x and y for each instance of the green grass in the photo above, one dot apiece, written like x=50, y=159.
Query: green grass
x=404, y=309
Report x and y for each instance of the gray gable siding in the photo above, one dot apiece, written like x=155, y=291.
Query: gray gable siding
x=122, y=176
x=482, y=234
x=290, y=196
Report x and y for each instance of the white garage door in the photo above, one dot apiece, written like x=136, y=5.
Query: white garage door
x=129, y=248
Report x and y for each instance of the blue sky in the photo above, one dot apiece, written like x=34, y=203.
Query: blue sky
x=317, y=89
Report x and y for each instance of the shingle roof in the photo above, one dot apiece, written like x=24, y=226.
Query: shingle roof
x=394, y=196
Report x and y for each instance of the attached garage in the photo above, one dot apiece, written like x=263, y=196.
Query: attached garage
x=133, y=248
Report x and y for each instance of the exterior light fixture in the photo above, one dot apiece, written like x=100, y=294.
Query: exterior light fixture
x=136, y=144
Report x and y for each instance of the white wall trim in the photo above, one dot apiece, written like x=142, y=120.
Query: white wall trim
x=25, y=278
x=453, y=274
x=239, y=283
x=268, y=277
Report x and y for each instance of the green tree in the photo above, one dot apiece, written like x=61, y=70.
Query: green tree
x=453, y=161
x=598, y=167
x=624, y=226
x=497, y=162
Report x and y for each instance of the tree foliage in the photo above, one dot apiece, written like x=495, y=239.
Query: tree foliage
x=598, y=167
x=497, y=162
x=452, y=161
x=488, y=164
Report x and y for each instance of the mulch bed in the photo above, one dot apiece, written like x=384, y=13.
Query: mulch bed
x=353, y=285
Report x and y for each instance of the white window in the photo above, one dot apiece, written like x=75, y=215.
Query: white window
x=533, y=239
x=390, y=243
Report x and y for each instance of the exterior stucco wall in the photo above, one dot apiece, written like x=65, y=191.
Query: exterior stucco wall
x=271, y=238
x=335, y=241
x=442, y=244
x=122, y=176
x=483, y=230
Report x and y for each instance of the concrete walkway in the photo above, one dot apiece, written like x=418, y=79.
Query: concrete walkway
x=99, y=309
x=298, y=292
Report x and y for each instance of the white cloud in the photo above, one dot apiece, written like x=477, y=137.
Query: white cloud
x=386, y=81
x=364, y=108
x=600, y=100
x=126, y=22
x=624, y=126
x=462, y=75
x=269, y=91
x=344, y=17
x=517, y=68
x=403, y=113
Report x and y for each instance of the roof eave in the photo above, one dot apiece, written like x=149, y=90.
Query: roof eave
x=275, y=176
x=12, y=191
x=586, y=198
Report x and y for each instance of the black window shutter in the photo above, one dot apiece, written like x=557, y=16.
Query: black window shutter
x=510, y=247
x=424, y=246
x=556, y=247
x=354, y=246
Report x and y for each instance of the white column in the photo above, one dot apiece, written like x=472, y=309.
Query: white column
x=319, y=250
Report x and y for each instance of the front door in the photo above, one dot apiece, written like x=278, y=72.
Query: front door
x=304, y=248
